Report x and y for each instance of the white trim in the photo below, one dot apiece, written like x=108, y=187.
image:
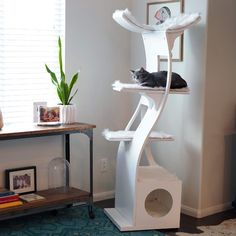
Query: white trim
x=103, y=196
x=207, y=211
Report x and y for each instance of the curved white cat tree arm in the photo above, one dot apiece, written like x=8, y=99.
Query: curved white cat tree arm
x=173, y=24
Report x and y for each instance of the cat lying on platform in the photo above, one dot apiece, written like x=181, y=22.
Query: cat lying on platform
x=157, y=79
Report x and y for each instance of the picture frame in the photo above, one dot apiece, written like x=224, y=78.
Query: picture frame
x=157, y=12
x=21, y=180
x=48, y=115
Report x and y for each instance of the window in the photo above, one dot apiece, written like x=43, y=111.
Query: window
x=29, y=31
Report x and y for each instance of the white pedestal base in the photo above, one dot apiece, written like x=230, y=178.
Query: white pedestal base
x=124, y=225
x=157, y=202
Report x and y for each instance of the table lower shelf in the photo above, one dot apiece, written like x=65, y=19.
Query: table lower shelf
x=54, y=199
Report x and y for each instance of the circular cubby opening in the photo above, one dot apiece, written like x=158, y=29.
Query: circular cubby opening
x=158, y=203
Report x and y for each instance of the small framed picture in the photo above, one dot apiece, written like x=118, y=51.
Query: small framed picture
x=48, y=115
x=21, y=180
x=158, y=12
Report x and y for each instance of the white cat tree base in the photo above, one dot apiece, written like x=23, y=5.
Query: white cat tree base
x=147, y=197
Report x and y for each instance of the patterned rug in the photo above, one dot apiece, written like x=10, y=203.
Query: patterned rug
x=68, y=222
x=226, y=228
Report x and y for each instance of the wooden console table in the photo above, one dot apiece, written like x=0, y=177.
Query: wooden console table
x=53, y=199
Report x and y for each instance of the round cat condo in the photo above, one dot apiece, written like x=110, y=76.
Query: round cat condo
x=58, y=174
x=158, y=203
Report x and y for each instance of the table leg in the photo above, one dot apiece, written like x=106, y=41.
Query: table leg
x=67, y=156
x=90, y=206
x=67, y=147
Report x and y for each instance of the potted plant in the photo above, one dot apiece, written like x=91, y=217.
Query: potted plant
x=64, y=91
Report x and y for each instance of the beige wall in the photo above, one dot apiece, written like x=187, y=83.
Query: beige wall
x=220, y=101
x=28, y=152
x=97, y=46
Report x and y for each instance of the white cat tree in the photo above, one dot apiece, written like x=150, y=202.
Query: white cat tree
x=147, y=196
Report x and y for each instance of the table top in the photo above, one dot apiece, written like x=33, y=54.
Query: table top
x=33, y=130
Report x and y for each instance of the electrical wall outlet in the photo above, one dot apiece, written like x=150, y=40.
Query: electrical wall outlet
x=104, y=165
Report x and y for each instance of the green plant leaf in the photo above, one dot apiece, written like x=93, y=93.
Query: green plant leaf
x=73, y=81
x=72, y=96
x=64, y=91
x=60, y=60
x=53, y=76
x=67, y=93
x=60, y=95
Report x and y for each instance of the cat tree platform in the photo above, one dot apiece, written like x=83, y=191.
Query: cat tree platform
x=123, y=135
x=136, y=88
x=147, y=196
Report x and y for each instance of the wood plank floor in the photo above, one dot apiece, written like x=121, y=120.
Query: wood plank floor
x=188, y=224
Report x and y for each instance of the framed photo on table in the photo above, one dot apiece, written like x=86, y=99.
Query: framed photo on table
x=21, y=180
x=158, y=12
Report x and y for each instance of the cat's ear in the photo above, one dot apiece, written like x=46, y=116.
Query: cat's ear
x=132, y=72
x=142, y=69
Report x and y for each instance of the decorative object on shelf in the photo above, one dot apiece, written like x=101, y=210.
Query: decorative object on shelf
x=58, y=174
x=1, y=119
x=48, y=115
x=8, y=199
x=158, y=12
x=147, y=196
x=21, y=180
x=64, y=90
x=68, y=113
x=31, y=197
x=6, y=192
x=36, y=110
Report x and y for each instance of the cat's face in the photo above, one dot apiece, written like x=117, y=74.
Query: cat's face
x=139, y=75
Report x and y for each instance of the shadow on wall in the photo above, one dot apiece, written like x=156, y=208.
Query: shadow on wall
x=230, y=168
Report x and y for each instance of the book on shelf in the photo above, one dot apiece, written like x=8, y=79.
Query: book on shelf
x=5, y=192
x=11, y=204
x=31, y=197
x=9, y=198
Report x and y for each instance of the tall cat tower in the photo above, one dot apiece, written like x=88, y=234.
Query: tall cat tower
x=147, y=196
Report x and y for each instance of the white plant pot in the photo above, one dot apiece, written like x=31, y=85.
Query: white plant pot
x=68, y=114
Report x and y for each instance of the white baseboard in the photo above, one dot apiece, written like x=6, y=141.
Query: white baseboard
x=103, y=196
x=205, y=212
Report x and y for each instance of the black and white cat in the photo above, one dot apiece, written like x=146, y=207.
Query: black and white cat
x=157, y=79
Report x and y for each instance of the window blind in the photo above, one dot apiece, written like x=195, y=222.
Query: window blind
x=29, y=31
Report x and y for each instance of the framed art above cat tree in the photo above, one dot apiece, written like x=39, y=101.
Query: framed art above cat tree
x=158, y=12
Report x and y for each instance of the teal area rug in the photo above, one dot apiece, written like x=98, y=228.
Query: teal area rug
x=69, y=222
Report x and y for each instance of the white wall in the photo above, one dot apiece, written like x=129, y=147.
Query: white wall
x=28, y=152
x=100, y=49
x=183, y=116
x=219, y=186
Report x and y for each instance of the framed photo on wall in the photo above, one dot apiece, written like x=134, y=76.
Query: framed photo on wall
x=21, y=180
x=158, y=12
